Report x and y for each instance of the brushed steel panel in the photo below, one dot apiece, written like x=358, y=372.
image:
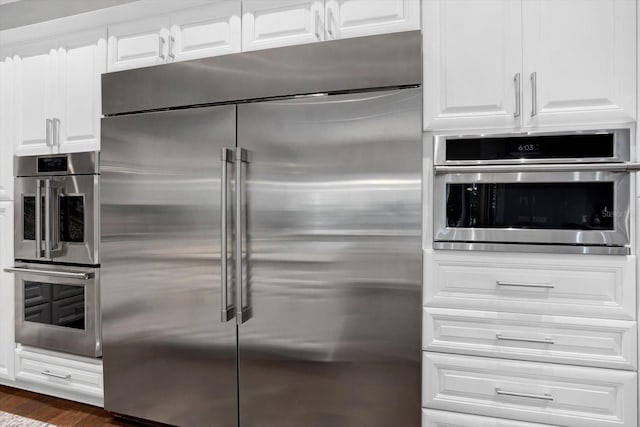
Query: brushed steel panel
x=332, y=261
x=352, y=64
x=167, y=355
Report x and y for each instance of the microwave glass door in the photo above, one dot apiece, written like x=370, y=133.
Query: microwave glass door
x=525, y=205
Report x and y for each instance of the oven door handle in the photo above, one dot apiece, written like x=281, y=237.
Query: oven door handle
x=575, y=167
x=51, y=273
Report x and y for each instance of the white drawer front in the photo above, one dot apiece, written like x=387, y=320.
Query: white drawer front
x=535, y=392
x=569, y=340
x=432, y=418
x=65, y=374
x=567, y=285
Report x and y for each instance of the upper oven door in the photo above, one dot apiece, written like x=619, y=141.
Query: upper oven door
x=55, y=219
x=569, y=208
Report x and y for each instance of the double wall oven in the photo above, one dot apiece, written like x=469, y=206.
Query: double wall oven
x=535, y=192
x=56, y=252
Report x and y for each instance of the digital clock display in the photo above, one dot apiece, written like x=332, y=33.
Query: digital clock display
x=52, y=164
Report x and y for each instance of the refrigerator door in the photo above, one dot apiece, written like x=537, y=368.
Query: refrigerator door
x=168, y=356
x=331, y=261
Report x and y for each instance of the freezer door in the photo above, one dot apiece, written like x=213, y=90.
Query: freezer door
x=332, y=263
x=168, y=356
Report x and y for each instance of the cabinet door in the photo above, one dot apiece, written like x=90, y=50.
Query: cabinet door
x=472, y=57
x=82, y=61
x=36, y=90
x=7, y=127
x=355, y=18
x=579, y=61
x=138, y=43
x=274, y=23
x=210, y=30
x=7, y=342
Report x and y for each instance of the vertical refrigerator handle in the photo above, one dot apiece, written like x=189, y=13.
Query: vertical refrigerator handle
x=38, y=215
x=243, y=310
x=227, y=309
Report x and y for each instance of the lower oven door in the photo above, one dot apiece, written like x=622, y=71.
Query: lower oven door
x=58, y=308
x=562, y=208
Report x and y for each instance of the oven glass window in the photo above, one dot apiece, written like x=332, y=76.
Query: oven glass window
x=29, y=212
x=72, y=219
x=53, y=304
x=558, y=206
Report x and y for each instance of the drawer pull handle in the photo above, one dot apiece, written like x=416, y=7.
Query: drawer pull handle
x=51, y=374
x=536, y=340
x=526, y=285
x=545, y=396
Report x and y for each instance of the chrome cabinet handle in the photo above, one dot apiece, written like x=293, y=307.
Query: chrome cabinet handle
x=526, y=285
x=330, y=23
x=161, y=48
x=51, y=374
x=56, y=132
x=534, y=340
x=545, y=396
x=227, y=309
x=49, y=133
x=38, y=207
x=243, y=313
x=50, y=273
x=516, y=82
x=317, y=25
x=47, y=218
x=534, y=94
x=171, y=41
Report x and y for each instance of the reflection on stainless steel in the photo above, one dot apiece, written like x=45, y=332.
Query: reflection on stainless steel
x=342, y=65
x=167, y=356
x=321, y=240
x=333, y=261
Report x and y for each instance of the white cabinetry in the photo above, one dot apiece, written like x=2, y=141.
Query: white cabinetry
x=7, y=344
x=7, y=127
x=61, y=375
x=355, y=18
x=58, y=94
x=209, y=30
x=515, y=64
x=274, y=23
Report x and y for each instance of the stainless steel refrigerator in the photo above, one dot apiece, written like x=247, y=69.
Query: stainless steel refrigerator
x=261, y=237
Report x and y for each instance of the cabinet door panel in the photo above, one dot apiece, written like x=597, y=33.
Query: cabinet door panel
x=7, y=342
x=355, y=18
x=35, y=85
x=583, y=55
x=79, y=110
x=138, y=43
x=274, y=23
x=472, y=53
x=7, y=127
x=206, y=31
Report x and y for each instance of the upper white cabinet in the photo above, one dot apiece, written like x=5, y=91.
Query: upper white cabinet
x=472, y=64
x=57, y=97
x=528, y=64
x=355, y=18
x=7, y=127
x=274, y=23
x=209, y=30
x=579, y=61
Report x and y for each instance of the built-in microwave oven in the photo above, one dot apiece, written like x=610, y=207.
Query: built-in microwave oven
x=56, y=208
x=535, y=192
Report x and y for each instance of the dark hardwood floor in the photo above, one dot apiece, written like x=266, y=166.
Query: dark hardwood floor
x=60, y=412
